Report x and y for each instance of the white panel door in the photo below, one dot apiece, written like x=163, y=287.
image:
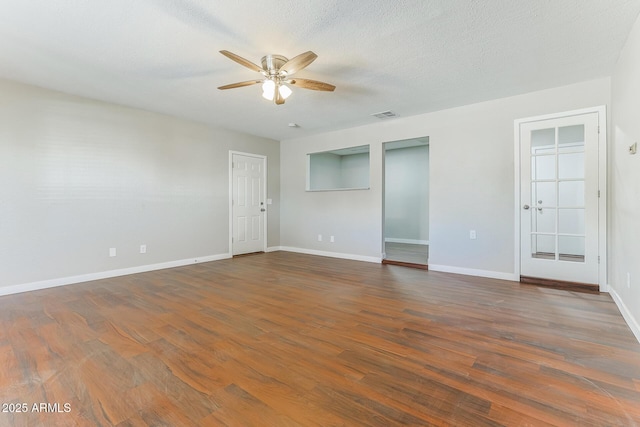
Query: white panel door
x=559, y=198
x=248, y=210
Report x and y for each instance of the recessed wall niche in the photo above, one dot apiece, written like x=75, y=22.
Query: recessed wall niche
x=343, y=169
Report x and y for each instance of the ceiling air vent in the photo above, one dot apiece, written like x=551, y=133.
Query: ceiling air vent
x=385, y=115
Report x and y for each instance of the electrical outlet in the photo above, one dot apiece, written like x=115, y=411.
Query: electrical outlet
x=112, y=252
x=472, y=234
x=143, y=249
x=319, y=237
x=332, y=239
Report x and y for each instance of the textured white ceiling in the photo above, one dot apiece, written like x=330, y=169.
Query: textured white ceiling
x=409, y=56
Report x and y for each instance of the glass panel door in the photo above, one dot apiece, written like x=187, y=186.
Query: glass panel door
x=559, y=202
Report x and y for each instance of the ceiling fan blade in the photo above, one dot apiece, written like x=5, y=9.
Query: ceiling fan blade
x=298, y=63
x=312, y=84
x=240, y=84
x=240, y=60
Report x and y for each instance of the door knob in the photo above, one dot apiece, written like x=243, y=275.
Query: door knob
x=525, y=207
x=262, y=210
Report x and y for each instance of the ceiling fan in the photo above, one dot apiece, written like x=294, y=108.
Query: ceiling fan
x=277, y=71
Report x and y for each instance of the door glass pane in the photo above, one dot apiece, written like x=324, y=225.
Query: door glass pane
x=543, y=194
x=543, y=167
x=571, y=221
x=571, y=166
x=571, y=138
x=554, y=227
x=543, y=141
x=543, y=220
x=571, y=194
x=543, y=246
x=571, y=248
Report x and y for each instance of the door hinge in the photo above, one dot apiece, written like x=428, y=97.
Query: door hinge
x=598, y=129
x=598, y=193
x=598, y=259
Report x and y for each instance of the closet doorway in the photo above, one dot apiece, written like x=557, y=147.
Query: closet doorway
x=406, y=202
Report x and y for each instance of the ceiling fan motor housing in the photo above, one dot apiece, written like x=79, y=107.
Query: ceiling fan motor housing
x=272, y=63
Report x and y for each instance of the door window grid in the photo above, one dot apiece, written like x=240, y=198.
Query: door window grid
x=552, y=162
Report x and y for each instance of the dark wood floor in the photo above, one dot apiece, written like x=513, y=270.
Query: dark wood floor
x=284, y=339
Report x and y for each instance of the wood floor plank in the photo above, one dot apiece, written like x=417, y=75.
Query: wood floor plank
x=154, y=407
x=298, y=340
x=117, y=338
x=193, y=404
x=238, y=407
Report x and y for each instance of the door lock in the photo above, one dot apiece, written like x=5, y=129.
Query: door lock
x=525, y=207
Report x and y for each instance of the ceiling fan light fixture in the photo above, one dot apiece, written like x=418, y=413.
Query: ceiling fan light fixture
x=284, y=90
x=268, y=89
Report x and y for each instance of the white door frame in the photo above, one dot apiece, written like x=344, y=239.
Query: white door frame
x=264, y=191
x=602, y=184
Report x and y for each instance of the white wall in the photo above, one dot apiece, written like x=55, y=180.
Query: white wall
x=407, y=194
x=331, y=171
x=624, y=182
x=471, y=181
x=324, y=171
x=79, y=177
x=354, y=170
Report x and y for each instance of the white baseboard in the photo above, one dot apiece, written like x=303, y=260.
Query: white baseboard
x=34, y=286
x=409, y=241
x=331, y=254
x=274, y=248
x=628, y=317
x=473, y=272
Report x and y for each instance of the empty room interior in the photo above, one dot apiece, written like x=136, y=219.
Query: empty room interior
x=319, y=213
